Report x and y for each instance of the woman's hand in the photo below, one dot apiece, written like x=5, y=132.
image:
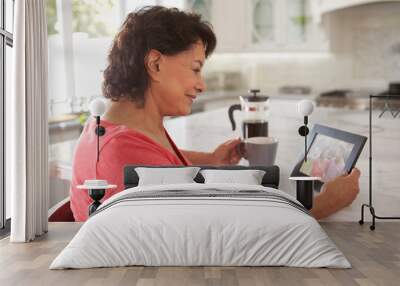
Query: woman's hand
x=336, y=194
x=227, y=153
x=344, y=189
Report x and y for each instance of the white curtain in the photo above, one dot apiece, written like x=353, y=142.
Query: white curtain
x=26, y=116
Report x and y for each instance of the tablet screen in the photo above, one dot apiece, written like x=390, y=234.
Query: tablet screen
x=326, y=158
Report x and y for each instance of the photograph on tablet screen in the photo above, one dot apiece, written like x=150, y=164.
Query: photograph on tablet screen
x=326, y=158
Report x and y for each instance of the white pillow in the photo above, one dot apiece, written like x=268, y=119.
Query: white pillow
x=248, y=177
x=162, y=176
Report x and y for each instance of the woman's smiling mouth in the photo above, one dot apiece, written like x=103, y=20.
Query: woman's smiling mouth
x=192, y=97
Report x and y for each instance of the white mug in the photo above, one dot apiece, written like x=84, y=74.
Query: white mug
x=259, y=151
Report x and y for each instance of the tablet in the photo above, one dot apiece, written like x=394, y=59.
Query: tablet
x=331, y=152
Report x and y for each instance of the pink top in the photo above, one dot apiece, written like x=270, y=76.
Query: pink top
x=119, y=146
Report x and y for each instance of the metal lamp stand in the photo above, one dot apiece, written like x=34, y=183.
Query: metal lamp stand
x=369, y=205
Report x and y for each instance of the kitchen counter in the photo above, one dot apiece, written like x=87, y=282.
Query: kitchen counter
x=222, y=98
x=353, y=100
x=190, y=133
x=206, y=130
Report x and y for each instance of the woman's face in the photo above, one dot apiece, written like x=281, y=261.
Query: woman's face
x=179, y=81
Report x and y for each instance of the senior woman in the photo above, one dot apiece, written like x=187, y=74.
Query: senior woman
x=154, y=70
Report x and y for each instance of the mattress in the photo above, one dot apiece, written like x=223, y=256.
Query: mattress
x=201, y=225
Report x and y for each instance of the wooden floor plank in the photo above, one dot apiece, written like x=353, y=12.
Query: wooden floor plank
x=374, y=255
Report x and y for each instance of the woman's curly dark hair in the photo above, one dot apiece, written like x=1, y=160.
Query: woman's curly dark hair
x=167, y=30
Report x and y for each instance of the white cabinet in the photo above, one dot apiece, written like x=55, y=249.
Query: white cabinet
x=263, y=25
x=229, y=24
x=285, y=25
x=227, y=19
x=202, y=7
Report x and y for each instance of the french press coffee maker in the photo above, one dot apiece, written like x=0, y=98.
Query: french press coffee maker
x=255, y=112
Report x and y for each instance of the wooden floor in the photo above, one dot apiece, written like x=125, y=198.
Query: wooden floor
x=374, y=255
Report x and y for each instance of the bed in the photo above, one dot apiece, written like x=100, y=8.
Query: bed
x=201, y=224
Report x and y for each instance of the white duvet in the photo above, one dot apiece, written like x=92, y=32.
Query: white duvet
x=183, y=231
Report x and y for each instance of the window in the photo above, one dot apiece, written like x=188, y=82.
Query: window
x=79, y=35
x=6, y=43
